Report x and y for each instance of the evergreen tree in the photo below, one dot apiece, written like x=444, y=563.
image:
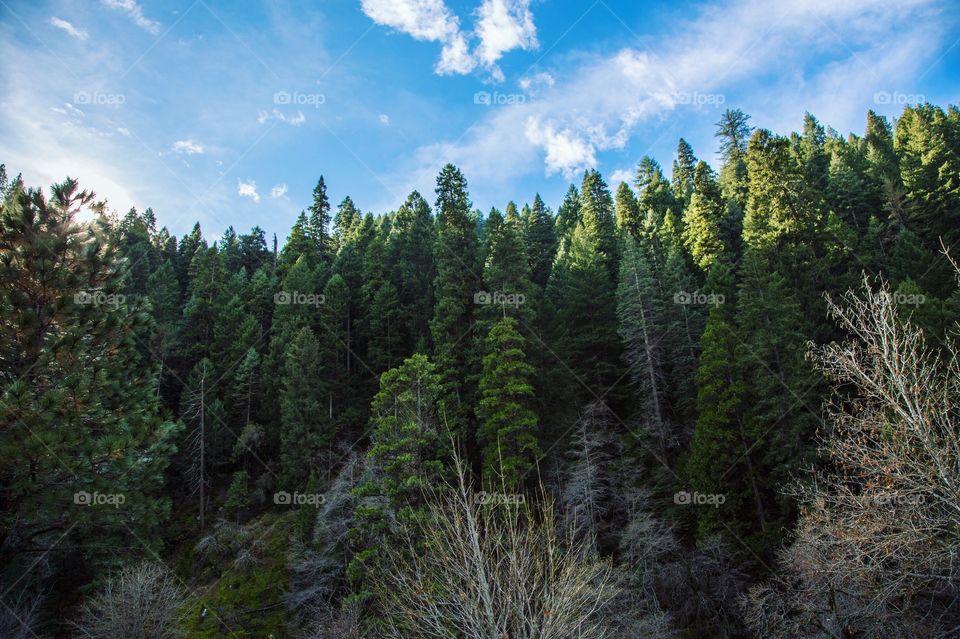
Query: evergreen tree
x=412, y=271
x=405, y=454
x=642, y=328
x=540, y=240
x=596, y=213
x=79, y=409
x=927, y=141
x=304, y=422
x=734, y=135
x=316, y=229
x=455, y=285
x=508, y=430
x=703, y=219
x=627, y=211
x=778, y=206
x=205, y=442
x=683, y=169
x=345, y=222
x=568, y=215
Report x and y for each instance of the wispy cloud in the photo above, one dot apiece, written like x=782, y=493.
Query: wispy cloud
x=278, y=192
x=187, y=147
x=293, y=120
x=73, y=31
x=135, y=12
x=248, y=189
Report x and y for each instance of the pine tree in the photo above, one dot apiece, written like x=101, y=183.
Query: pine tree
x=205, y=443
x=407, y=446
x=505, y=273
x=164, y=294
x=719, y=439
x=928, y=143
x=642, y=329
x=412, y=271
x=596, y=213
x=779, y=205
x=334, y=337
x=703, y=219
x=582, y=300
x=300, y=243
x=243, y=395
x=627, y=211
x=654, y=195
x=683, y=170
x=781, y=391
x=508, y=429
x=305, y=425
x=540, y=240
x=568, y=215
x=734, y=135
x=345, y=222
x=455, y=285
x=79, y=409
x=316, y=229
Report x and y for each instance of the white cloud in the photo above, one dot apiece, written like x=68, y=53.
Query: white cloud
x=501, y=26
x=566, y=152
x=537, y=81
x=135, y=12
x=384, y=119
x=279, y=191
x=276, y=114
x=79, y=34
x=187, y=147
x=248, y=189
x=504, y=25
x=455, y=57
x=621, y=175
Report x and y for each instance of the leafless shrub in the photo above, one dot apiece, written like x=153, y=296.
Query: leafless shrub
x=879, y=537
x=141, y=602
x=18, y=615
x=477, y=571
x=318, y=567
x=331, y=623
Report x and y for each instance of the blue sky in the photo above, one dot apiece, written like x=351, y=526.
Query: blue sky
x=226, y=112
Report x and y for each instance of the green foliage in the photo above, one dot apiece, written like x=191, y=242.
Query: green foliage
x=79, y=412
x=508, y=429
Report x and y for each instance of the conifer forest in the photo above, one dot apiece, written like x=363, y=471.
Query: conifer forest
x=716, y=398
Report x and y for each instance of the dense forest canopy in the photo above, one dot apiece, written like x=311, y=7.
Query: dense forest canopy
x=711, y=402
